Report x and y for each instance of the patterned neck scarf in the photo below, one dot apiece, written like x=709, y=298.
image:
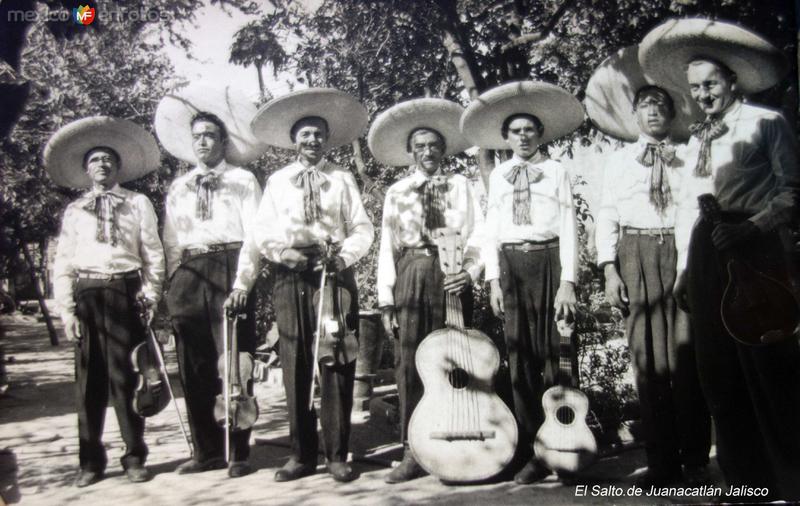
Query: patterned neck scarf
x=433, y=192
x=311, y=180
x=658, y=156
x=204, y=186
x=104, y=206
x=706, y=131
x=521, y=176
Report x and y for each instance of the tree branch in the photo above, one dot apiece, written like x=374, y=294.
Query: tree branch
x=533, y=37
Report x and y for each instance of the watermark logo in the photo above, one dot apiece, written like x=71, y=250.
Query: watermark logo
x=83, y=15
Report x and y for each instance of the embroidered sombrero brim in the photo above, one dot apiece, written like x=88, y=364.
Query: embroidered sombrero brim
x=389, y=132
x=64, y=152
x=610, y=93
x=669, y=47
x=176, y=110
x=556, y=108
x=345, y=115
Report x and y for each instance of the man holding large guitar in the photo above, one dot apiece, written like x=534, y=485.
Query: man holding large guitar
x=745, y=160
x=411, y=285
x=530, y=245
x=636, y=249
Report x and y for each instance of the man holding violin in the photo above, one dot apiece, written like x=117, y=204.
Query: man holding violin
x=411, y=285
x=109, y=261
x=307, y=206
x=209, y=212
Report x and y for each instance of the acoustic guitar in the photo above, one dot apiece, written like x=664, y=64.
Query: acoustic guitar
x=460, y=431
x=564, y=442
x=756, y=309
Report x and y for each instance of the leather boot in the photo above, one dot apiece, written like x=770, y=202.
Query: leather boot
x=408, y=469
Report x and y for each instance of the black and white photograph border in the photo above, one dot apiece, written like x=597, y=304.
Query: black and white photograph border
x=66, y=60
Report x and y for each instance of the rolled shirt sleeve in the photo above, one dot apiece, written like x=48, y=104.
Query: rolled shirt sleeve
x=151, y=250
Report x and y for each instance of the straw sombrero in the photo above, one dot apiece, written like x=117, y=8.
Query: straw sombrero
x=64, y=152
x=558, y=110
x=389, y=132
x=610, y=93
x=176, y=110
x=669, y=47
x=346, y=117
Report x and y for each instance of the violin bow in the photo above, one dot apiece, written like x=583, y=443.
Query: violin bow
x=226, y=385
x=315, y=368
x=163, y=367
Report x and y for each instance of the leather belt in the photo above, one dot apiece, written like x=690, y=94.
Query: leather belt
x=528, y=246
x=428, y=251
x=654, y=232
x=210, y=248
x=108, y=276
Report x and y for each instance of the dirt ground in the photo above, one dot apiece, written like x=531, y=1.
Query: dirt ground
x=39, y=452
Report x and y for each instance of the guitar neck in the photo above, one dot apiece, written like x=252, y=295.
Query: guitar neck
x=565, y=373
x=454, y=313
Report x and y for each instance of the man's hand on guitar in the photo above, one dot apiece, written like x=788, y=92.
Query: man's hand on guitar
x=147, y=307
x=293, y=259
x=679, y=291
x=72, y=328
x=236, y=301
x=496, y=298
x=616, y=291
x=726, y=235
x=456, y=283
x=389, y=320
x=335, y=264
x=566, y=301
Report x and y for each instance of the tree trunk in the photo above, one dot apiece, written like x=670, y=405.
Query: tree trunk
x=39, y=296
x=369, y=184
x=261, y=93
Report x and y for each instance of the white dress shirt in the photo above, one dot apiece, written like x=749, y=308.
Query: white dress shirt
x=754, y=169
x=137, y=247
x=233, y=210
x=625, y=201
x=281, y=219
x=403, y=227
x=552, y=215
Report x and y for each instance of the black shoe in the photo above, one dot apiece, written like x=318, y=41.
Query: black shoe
x=86, y=478
x=196, y=466
x=294, y=470
x=137, y=473
x=239, y=468
x=531, y=473
x=341, y=471
x=408, y=469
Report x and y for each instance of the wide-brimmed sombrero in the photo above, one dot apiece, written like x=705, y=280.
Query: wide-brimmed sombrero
x=612, y=88
x=669, y=47
x=389, y=132
x=66, y=149
x=558, y=110
x=174, y=121
x=345, y=115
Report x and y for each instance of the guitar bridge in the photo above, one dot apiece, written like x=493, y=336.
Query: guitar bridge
x=466, y=435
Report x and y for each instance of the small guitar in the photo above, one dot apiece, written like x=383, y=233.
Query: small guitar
x=756, y=309
x=460, y=431
x=564, y=442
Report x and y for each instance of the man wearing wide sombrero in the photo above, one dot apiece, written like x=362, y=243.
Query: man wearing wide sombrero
x=530, y=245
x=411, y=285
x=309, y=206
x=209, y=211
x=108, y=262
x=636, y=248
x=746, y=156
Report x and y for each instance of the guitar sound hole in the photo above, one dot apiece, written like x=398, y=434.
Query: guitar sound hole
x=458, y=378
x=565, y=415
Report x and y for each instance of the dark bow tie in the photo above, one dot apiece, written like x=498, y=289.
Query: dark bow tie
x=433, y=192
x=658, y=156
x=311, y=181
x=521, y=176
x=706, y=131
x=104, y=206
x=204, y=186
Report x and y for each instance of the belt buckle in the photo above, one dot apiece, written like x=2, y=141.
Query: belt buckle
x=526, y=247
x=428, y=251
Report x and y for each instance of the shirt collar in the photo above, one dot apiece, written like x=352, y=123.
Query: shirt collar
x=320, y=165
x=219, y=169
x=116, y=190
x=732, y=111
x=645, y=139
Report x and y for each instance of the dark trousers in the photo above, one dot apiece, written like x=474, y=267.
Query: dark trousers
x=296, y=316
x=677, y=426
x=530, y=281
x=753, y=393
x=197, y=291
x=111, y=328
x=419, y=305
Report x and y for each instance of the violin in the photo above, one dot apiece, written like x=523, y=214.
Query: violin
x=235, y=408
x=756, y=309
x=152, y=392
x=460, y=431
